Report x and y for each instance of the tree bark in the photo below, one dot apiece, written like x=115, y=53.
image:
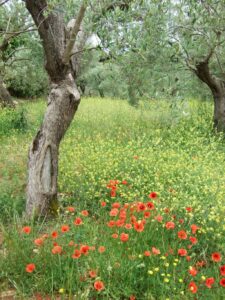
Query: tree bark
x=62, y=104
x=217, y=87
x=219, y=110
x=5, y=97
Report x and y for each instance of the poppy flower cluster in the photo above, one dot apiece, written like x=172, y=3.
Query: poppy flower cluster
x=130, y=226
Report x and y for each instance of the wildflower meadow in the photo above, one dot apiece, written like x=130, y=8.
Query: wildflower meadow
x=141, y=214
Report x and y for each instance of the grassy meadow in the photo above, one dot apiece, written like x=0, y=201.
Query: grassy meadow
x=142, y=209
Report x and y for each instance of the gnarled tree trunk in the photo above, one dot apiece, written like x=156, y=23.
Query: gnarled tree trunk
x=219, y=109
x=63, y=101
x=217, y=87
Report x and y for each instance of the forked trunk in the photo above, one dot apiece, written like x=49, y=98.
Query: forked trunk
x=62, y=104
x=219, y=110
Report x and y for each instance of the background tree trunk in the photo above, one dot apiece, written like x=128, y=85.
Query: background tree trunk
x=5, y=97
x=217, y=87
x=219, y=110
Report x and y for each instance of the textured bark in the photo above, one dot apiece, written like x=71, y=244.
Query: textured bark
x=5, y=97
x=219, y=110
x=217, y=87
x=63, y=102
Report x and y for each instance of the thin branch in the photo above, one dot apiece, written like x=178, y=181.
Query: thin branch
x=15, y=60
x=18, y=32
x=83, y=50
x=73, y=36
x=6, y=40
x=3, y=2
x=16, y=50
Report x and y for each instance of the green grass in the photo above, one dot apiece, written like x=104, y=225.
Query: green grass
x=166, y=147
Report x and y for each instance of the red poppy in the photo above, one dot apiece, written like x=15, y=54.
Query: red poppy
x=201, y=263
x=114, y=212
x=78, y=221
x=139, y=226
x=194, y=228
x=30, y=268
x=92, y=273
x=124, y=237
x=181, y=221
x=147, y=253
x=85, y=213
x=71, y=209
x=216, y=257
x=116, y=205
x=26, y=229
x=193, y=287
x=76, y=254
x=103, y=203
x=133, y=219
x=222, y=282
x=99, y=285
x=150, y=205
x=126, y=205
x=65, y=228
x=84, y=249
x=159, y=218
x=188, y=258
x=71, y=243
x=132, y=297
x=111, y=223
x=193, y=271
x=222, y=270
x=57, y=250
x=141, y=206
x=128, y=226
x=147, y=214
x=188, y=209
x=54, y=234
x=123, y=214
x=39, y=242
x=182, y=235
x=113, y=193
x=101, y=249
x=153, y=195
x=155, y=251
x=115, y=235
x=170, y=225
x=209, y=282
x=193, y=240
x=120, y=223
x=124, y=182
x=182, y=252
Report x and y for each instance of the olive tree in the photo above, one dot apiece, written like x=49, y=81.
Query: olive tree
x=60, y=43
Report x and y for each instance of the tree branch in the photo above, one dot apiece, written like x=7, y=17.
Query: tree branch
x=73, y=36
x=3, y=2
x=15, y=60
x=11, y=35
x=83, y=50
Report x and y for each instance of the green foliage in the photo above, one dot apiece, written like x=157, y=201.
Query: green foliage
x=12, y=120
